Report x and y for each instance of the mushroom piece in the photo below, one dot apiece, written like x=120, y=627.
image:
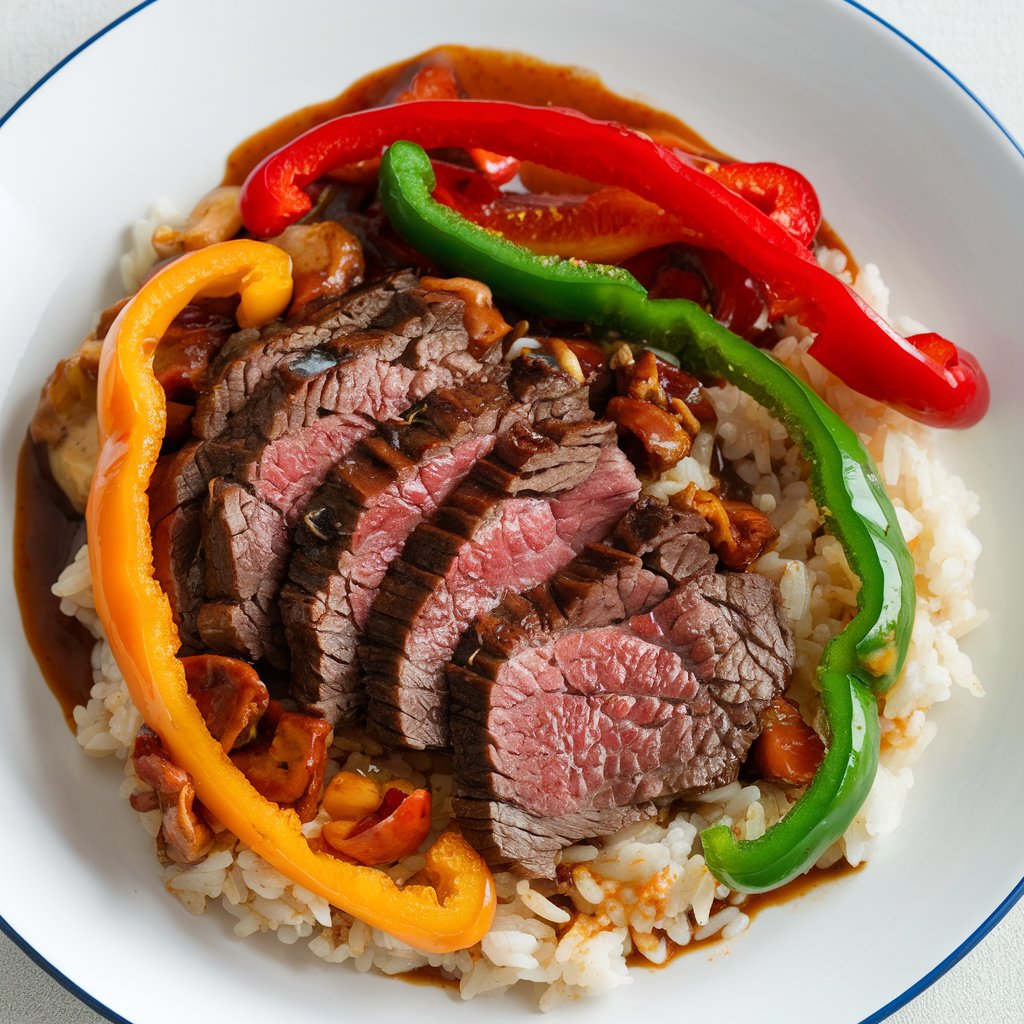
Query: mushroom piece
x=285, y=762
x=654, y=439
x=215, y=218
x=739, y=532
x=327, y=260
x=230, y=696
x=483, y=322
x=65, y=418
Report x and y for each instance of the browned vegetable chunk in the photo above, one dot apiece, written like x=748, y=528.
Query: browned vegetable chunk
x=788, y=749
x=327, y=260
x=654, y=380
x=186, y=839
x=654, y=439
x=285, y=762
x=215, y=218
x=65, y=419
x=739, y=532
x=483, y=322
x=193, y=338
x=229, y=694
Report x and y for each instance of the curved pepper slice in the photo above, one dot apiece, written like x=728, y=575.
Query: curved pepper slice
x=136, y=615
x=606, y=226
x=868, y=655
x=852, y=340
x=390, y=833
x=782, y=194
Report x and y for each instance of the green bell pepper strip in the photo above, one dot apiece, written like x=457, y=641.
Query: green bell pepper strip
x=867, y=656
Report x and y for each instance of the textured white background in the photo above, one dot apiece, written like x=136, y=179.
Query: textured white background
x=981, y=42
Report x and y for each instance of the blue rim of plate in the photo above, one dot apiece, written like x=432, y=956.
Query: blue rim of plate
x=901, y=1000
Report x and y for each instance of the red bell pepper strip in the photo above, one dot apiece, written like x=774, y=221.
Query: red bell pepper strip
x=438, y=82
x=782, y=194
x=393, y=831
x=607, y=226
x=852, y=340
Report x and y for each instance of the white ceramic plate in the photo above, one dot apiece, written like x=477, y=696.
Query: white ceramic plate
x=912, y=172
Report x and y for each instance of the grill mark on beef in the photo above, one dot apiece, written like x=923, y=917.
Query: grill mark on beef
x=249, y=357
x=605, y=583
x=357, y=524
x=241, y=368
x=290, y=425
x=246, y=365
x=317, y=418
x=177, y=565
x=593, y=719
x=494, y=536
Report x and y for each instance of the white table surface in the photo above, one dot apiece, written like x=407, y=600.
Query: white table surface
x=981, y=42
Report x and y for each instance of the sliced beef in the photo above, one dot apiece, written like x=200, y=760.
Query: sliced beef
x=357, y=524
x=595, y=720
x=250, y=396
x=321, y=409
x=653, y=547
x=250, y=356
x=178, y=565
x=307, y=407
x=520, y=517
x=243, y=366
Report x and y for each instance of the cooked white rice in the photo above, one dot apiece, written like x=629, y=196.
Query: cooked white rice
x=645, y=889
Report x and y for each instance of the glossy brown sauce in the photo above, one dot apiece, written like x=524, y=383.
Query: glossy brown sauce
x=483, y=74
x=752, y=906
x=432, y=976
x=47, y=533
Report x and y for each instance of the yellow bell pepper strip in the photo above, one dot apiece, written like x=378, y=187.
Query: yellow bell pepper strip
x=136, y=615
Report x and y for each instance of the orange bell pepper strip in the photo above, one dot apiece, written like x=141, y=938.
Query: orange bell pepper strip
x=457, y=910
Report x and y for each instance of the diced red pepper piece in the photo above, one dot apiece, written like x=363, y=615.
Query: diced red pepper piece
x=496, y=168
x=782, y=193
x=390, y=833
